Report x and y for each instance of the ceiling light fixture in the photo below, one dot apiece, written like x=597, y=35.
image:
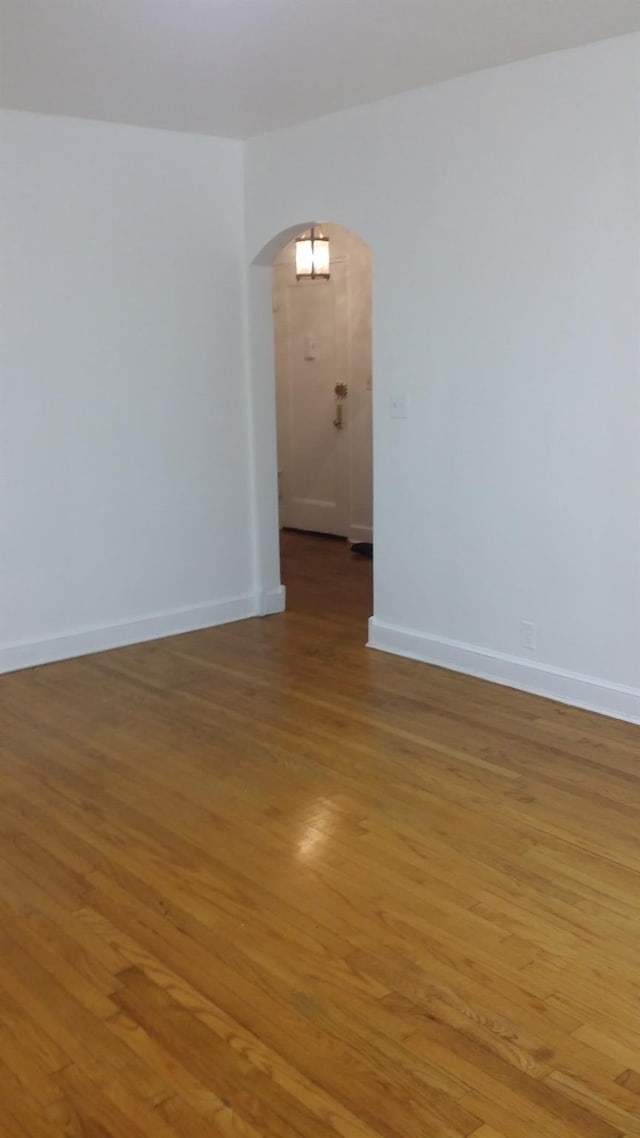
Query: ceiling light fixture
x=312, y=256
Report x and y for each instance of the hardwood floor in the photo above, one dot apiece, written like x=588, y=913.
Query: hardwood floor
x=259, y=882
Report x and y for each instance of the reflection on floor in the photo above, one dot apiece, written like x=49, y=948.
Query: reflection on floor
x=262, y=882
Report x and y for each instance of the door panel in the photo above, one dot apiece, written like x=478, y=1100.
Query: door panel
x=311, y=359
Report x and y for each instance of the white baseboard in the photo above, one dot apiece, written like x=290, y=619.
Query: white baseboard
x=360, y=533
x=616, y=700
x=273, y=601
x=85, y=641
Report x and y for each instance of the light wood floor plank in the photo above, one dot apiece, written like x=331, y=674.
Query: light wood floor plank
x=259, y=882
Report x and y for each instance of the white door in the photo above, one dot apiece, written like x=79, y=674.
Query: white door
x=311, y=349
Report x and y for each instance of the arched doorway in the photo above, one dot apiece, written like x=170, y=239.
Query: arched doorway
x=322, y=336
x=311, y=387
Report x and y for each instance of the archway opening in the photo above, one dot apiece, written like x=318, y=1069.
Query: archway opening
x=312, y=405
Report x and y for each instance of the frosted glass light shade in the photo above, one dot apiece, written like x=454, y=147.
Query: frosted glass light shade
x=304, y=257
x=312, y=256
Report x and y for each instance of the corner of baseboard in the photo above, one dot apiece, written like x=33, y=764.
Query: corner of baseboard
x=272, y=601
x=586, y=692
x=360, y=533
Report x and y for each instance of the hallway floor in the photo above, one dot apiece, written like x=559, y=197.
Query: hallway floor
x=321, y=574
x=261, y=882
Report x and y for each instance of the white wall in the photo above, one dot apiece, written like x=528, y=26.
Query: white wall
x=351, y=255
x=503, y=214
x=125, y=456
x=358, y=264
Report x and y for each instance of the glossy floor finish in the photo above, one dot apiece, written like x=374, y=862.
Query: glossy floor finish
x=260, y=882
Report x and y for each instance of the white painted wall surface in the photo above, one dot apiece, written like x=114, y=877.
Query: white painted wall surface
x=503, y=214
x=359, y=285
x=125, y=502
x=351, y=260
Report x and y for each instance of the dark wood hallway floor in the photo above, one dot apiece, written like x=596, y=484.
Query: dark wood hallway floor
x=324, y=578
x=260, y=882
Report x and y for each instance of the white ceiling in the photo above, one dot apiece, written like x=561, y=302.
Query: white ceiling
x=240, y=67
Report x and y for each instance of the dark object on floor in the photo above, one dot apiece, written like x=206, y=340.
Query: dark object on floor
x=364, y=548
